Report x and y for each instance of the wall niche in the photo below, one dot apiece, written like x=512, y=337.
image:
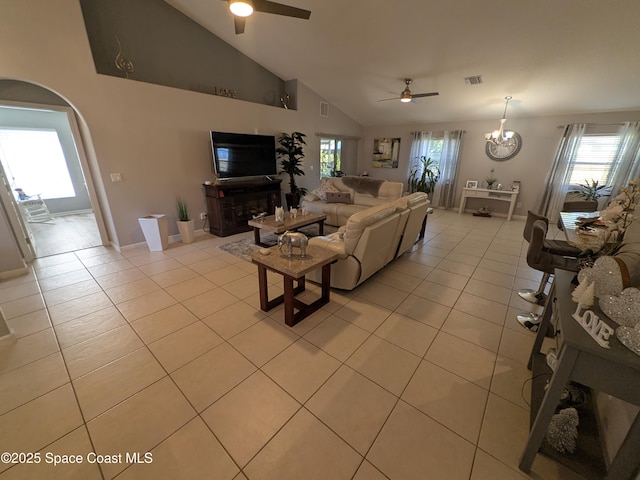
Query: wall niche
x=150, y=41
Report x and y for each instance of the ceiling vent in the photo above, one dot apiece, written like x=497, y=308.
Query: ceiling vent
x=324, y=109
x=474, y=80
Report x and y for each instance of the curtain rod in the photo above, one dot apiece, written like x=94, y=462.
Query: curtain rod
x=440, y=131
x=333, y=135
x=619, y=124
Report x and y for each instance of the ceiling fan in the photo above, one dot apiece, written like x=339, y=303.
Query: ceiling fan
x=241, y=9
x=406, y=95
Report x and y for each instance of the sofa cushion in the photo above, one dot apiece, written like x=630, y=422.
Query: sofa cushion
x=311, y=197
x=339, y=184
x=416, y=198
x=361, y=220
x=401, y=203
x=325, y=186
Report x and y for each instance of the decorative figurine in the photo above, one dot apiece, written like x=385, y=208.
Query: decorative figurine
x=279, y=214
x=293, y=239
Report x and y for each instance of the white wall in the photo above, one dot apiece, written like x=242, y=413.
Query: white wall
x=155, y=136
x=540, y=139
x=10, y=258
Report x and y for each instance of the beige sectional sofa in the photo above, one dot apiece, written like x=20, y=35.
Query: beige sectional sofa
x=371, y=238
x=364, y=192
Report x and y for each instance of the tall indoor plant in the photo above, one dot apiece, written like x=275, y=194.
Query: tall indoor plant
x=291, y=155
x=185, y=223
x=423, y=178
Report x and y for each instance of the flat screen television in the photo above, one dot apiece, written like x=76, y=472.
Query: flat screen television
x=243, y=155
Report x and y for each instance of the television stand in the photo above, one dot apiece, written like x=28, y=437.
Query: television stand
x=232, y=203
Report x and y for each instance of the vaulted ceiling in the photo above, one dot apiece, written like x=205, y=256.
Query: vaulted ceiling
x=551, y=56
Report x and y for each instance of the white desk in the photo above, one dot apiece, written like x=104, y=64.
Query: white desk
x=502, y=195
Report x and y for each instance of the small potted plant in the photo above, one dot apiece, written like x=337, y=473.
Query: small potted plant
x=185, y=223
x=424, y=177
x=591, y=191
x=291, y=155
x=491, y=180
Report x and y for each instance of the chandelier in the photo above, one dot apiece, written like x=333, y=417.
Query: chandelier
x=501, y=136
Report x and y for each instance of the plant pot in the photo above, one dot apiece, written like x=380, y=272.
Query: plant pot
x=154, y=228
x=187, y=231
x=292, y=199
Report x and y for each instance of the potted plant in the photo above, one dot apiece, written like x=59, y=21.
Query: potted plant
x=591, y=191
x=291, y=155
x=185, y=224
x=424, y=177
x=490, y=180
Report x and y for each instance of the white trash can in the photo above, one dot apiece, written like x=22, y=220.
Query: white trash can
x=155, y=230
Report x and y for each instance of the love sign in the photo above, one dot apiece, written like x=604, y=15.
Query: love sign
x=593, y=325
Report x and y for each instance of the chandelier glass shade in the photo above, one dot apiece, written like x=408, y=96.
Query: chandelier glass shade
x=501, y=136
x=241, y=8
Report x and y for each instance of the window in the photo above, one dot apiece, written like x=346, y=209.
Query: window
x=434, y=150
x=443, y=149
x=330, y=156
x=595, y=159
x=427, y=145
x=606, y=153
x=24, y=152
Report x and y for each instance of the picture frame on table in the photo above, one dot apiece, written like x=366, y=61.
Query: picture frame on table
x=471, y=184
x=515, y=186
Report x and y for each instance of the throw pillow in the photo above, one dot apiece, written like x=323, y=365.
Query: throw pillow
x=325, y=186
x=338, y=197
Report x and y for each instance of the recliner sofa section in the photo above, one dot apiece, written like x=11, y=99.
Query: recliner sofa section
x=371, y=239
x=365, y=193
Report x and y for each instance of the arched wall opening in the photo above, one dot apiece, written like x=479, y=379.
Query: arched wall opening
x=78, y=220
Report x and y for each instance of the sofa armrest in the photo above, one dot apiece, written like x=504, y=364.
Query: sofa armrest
x=310, y=197
x=331, y=242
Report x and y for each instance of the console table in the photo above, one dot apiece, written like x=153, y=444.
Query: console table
x=232, y=203
x=614, y=370
x=485, y=193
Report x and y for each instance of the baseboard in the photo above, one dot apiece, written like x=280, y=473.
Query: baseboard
x=172, y=239
x=8, y=339
x=71, y=212
x=14, y=273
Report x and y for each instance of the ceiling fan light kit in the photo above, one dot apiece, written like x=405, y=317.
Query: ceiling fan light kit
x=241, y=8
x=406, y=96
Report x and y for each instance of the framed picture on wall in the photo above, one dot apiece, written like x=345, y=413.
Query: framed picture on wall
x=386, y=152
x=471, y=184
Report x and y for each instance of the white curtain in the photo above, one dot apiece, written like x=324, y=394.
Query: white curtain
x=557, y=182
x=444, y=191
x=627, y=161
x=443, y=194
x=419, y=148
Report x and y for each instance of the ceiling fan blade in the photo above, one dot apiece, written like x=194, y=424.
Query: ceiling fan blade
x=239, y=23
x=421, y=95
x=386, y=99
x=266, y=6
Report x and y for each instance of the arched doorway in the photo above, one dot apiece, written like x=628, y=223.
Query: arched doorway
x=42, y=153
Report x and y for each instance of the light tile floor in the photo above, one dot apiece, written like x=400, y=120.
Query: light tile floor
x=420, y=373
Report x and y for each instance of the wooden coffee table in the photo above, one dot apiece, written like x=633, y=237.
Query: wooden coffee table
x=289, y=223
x=294, y=268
